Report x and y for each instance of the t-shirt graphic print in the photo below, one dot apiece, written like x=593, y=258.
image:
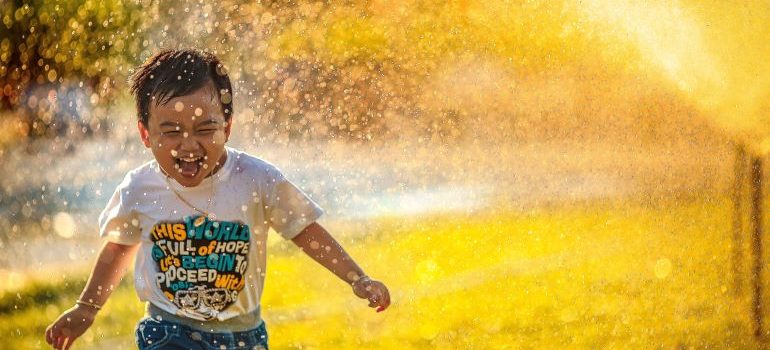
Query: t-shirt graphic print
x=201, y=263
x=194, y=265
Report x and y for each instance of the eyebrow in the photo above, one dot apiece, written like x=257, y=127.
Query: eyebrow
x=206, y=122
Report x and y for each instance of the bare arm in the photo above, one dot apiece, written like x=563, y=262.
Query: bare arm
x=317, y=243
x=110, y=267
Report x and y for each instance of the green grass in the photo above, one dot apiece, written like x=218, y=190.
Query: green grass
x=588, y=276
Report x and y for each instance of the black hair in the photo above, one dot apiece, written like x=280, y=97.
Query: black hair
x=172, y=73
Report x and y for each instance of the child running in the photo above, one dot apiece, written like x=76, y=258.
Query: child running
x=195, y=221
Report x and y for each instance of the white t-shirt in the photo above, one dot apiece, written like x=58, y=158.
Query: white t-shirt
x=197, y=267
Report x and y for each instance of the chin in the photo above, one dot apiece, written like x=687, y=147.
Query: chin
x=186, y=182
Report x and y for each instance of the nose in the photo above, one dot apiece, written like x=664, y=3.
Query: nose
x=189, y=144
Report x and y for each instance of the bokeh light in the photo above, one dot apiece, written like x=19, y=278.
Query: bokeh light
x=522, y=174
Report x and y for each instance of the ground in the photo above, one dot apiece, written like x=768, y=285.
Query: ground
x=583, y=276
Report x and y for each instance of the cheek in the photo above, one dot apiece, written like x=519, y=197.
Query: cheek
x=218, y=138
x=162, y=148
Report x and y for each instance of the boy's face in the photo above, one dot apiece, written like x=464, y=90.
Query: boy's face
x=187, y=135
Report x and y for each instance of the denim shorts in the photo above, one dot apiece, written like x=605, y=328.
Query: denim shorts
x=152, y=334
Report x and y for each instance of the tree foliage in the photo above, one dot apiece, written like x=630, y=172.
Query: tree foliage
x=324, y=69
x=60, y=60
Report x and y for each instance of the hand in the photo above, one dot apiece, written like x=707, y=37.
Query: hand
x=374, y=291
x=69, y=326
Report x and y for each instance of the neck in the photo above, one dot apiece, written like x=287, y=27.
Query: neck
x=221, y=164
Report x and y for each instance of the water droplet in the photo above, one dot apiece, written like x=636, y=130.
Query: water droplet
x=64, y=225
x=226, y=98
x=662, y=268
x=353, y=276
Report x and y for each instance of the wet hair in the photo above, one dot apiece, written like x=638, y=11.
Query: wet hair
x=172, y=73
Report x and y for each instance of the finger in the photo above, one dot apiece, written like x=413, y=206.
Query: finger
x=54, y=337
x=58, y=342
x=373, y=299
x=62, y=341
x=383, y=298
x=48, y=338
x=386, y=295
x=68, y=343
x=382, y=307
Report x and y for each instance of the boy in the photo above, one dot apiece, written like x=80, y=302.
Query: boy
x=197, y=218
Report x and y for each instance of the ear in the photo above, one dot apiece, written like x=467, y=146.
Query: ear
x=144, y=134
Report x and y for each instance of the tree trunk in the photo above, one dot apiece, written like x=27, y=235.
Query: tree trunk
x=756, y=243
x=739, y=172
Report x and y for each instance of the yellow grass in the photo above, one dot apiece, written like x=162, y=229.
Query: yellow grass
x=589, y=276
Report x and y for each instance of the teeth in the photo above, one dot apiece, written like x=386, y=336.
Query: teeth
x=190, y=160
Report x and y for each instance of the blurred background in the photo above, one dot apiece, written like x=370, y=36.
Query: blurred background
x=522, y=174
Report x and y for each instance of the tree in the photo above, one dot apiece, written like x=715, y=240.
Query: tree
x=59, y=60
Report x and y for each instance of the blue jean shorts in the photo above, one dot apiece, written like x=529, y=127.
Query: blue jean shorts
x=152, y=334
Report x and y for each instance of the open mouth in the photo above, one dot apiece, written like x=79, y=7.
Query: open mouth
x=189, y=166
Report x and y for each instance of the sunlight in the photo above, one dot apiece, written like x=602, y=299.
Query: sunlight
x=668, y=38
x=706, y=50
x=542, y=174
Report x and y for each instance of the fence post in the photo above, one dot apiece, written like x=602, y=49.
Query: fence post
x=756, y=243
x=739, y=174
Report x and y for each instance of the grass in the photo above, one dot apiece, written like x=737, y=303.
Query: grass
x=586, y=276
